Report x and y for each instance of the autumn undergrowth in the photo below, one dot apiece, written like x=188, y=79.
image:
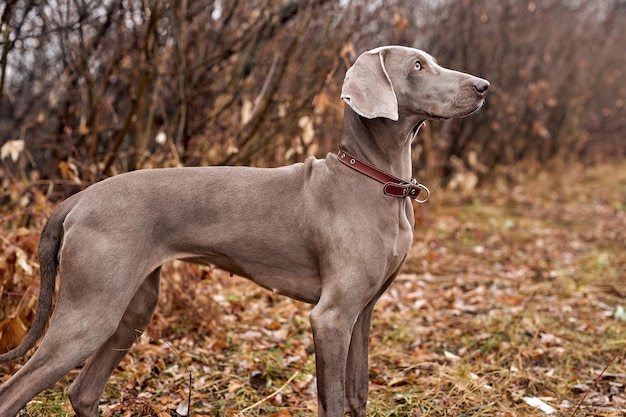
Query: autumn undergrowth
x=511, y=294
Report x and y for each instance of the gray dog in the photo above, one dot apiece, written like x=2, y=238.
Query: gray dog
x=331, y=232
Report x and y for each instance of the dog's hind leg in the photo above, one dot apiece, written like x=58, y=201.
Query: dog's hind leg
x=85, y=317
x=86, y=390
x=70, y=340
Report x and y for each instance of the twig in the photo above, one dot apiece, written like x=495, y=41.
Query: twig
x=6, y=47
x=596, y=380
x=189, y=413
x=272, y=395
x=258, y=101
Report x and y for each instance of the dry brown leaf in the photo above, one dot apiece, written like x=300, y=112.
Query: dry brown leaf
x=281, y=413
x=12, y=331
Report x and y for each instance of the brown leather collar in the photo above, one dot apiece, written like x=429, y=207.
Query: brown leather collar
x=393, y=186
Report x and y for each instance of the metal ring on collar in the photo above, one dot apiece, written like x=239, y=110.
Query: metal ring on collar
x=425, y=199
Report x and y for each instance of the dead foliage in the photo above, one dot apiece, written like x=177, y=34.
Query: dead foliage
x=512, y=299
x=98, y=87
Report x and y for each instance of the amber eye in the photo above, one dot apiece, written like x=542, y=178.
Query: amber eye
x=418, y=65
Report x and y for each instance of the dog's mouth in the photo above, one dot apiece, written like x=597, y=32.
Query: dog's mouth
x=480, y=104
x=454, y=115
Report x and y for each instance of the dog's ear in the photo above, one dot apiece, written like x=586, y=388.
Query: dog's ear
x=367, y=87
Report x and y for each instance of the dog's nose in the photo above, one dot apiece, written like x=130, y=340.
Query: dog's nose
x=481, y=86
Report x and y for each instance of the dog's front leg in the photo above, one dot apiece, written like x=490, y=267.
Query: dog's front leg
x=332, y=329
x=357, y=366
x=357, y=369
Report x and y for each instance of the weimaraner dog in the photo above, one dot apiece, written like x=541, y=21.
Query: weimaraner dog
x=332, y=232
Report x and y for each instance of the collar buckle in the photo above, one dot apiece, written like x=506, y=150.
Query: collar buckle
x=393, y=186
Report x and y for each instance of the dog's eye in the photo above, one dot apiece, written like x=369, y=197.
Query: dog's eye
x=418, y=65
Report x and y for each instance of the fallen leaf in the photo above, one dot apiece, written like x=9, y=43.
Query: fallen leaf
x=12, y=331
x=183, y=408
x=13, y=149
x=22, y=261
x=281, y=413
x=451, y=356
x=619, y=313
x=538, y=403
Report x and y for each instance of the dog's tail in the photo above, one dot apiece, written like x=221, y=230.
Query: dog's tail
x=49, y=245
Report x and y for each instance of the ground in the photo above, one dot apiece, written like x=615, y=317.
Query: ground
x=510, y=304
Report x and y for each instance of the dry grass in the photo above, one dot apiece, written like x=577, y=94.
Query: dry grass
x=509, y=293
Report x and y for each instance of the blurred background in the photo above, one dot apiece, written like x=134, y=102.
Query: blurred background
x=91, y=88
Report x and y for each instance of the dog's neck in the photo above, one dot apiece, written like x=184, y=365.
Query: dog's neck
x=384, y=143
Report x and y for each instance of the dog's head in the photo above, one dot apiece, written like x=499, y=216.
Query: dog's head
x=395, y=81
